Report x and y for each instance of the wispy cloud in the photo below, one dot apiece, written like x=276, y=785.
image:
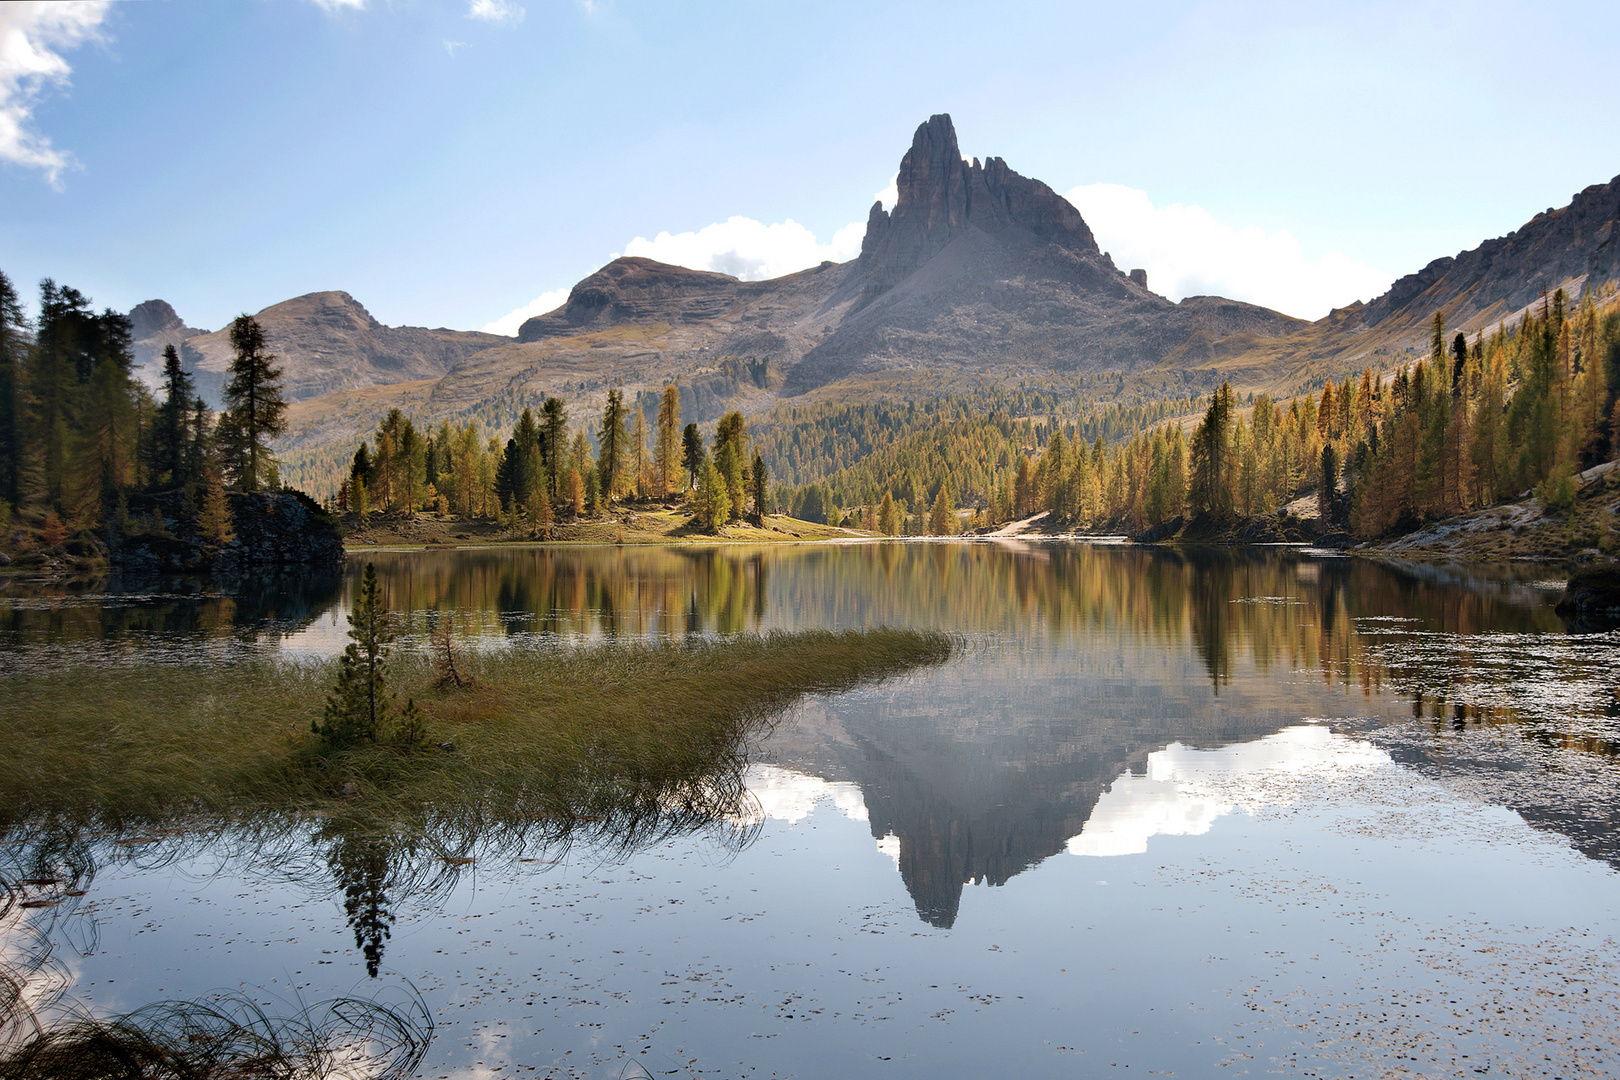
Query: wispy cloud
x=332, y=7
x=750, y=249
x=451, y=46
x=508, y=324
x=32, y=40
x=495, y=11
x=1187, y=252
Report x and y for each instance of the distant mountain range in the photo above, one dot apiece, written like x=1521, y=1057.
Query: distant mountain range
x=978, y=277
x=326, y=343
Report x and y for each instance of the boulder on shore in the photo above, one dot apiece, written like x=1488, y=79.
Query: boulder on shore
x=1593, y=591
x=271, y=529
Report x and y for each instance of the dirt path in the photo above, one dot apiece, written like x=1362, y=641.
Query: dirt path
x=1013, y=528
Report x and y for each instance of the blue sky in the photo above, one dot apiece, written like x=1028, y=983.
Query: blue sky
x=450, y=161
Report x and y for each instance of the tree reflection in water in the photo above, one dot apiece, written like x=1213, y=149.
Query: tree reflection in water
x=370, y=864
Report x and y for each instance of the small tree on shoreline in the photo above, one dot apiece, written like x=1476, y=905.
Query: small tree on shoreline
x=360, y=708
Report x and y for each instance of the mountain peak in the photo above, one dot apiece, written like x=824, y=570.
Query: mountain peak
x=941, y=196
x=150, y=318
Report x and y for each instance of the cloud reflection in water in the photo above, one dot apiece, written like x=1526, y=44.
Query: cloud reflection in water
x=1185, y=789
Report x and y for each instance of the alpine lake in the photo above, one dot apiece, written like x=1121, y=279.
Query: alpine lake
x=1196, y=813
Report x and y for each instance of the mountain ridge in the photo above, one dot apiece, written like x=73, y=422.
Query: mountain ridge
x=978, y=277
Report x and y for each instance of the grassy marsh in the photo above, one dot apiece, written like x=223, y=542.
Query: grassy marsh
x=544, y=732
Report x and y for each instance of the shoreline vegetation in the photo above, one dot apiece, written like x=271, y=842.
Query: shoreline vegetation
x=537, y=733
x=1407, y=460
x=511, y=752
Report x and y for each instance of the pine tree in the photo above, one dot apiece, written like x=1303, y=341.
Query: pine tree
x=13, y=350
x=942, y=519
x=888, y=516
x=214, y=519
x=730, y=446
x=761, y=488
x=254, y=408
x=711, y=506
x=360, y=710
x=1211, y=493
x=555, y=443
x=59, y=366
x=611, y=446
x=692, y=453
x=171, y=440
x=665, y=456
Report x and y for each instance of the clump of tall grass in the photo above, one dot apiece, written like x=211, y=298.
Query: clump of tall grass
x=228, y=1039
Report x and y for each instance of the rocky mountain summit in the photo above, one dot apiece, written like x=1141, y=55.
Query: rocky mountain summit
x=323, y=341
x=978, y=276
x=942, y=196
x=154, y=326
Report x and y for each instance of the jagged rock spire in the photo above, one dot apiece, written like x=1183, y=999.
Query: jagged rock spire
x=940, y=196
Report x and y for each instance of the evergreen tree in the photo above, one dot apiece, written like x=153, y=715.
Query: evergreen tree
x=761, y=488
x=555, y=446
x=692, y=453
x=1327, y=491
x=711, y=506
x=171, y=439
x=59, y=367
x=254, y=410
x=1211, y=493
x=665, y=456
x=730, y=450
x=888, y=516
x=107, y=436
x=214, y=519
x=360, y=710
x=200, y=451
x=611, y=446
x=13, y=351
x=942, y=519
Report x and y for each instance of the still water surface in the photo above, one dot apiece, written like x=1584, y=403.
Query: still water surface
x=1232, y=813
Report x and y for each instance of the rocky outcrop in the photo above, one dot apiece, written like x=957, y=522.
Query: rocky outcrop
x=1592, y=593
x=980, y=272
x=1570, y=247
x=942, y=196
x=154, y=326
x=272, y=530
x=633, y=288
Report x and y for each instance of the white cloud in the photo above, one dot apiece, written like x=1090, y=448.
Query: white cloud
x=1186, y=252
x=334, y=6
x=749, y=249
x=32, y=40
x=508, y=324
x=495, y=11
x=891, y=194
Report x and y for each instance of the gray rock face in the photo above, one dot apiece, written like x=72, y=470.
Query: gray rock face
x=154, y=326
x=633, y=288
x=980, y=273
x=154, y=318
x=1570, y=248
x=941, y=196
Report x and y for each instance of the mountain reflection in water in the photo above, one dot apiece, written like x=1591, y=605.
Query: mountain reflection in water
x=1106, y=702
